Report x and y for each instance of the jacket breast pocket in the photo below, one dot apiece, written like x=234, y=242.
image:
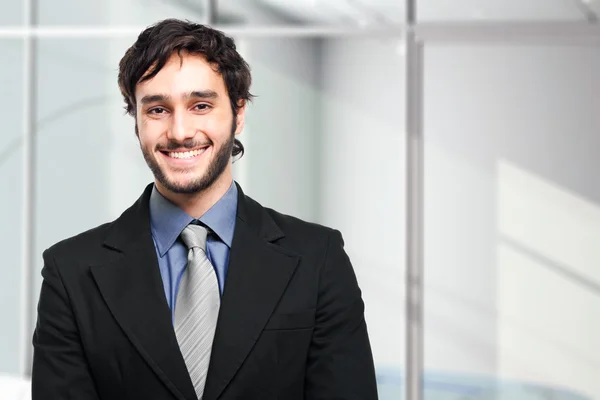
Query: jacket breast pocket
x=290, y=321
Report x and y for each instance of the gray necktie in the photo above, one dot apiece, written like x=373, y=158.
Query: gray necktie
x=197, y=307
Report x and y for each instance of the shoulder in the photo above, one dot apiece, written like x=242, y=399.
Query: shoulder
x=93, y=246
x=84, y=247
x=304, y=236
x=295, y=234
x=321, y=249
x=295, y=226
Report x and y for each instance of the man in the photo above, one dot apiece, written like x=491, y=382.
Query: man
x=197, y=291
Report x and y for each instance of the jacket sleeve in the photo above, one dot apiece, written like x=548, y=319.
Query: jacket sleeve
x=340, y=362
x=60, y=370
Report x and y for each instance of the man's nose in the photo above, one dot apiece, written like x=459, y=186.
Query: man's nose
x=181, y=127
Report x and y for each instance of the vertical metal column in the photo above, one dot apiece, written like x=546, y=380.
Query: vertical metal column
x=414, y=208
x=210, y=8
x=28, y=259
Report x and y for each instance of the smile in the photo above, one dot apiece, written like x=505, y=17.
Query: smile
x=182, y=155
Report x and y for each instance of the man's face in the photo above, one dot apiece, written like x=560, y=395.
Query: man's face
x=186, y=126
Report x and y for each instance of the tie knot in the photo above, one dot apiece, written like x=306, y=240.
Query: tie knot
x=194, y=236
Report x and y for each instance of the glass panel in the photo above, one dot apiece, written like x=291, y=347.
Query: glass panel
x=512, y=215
x=326, y=144
x=12, y=13
x=499, y=10
x=315, y=139
x=11, y=210
x=311, y=12
x=116, y=13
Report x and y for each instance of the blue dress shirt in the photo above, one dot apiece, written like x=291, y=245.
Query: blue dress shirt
x=167, y=221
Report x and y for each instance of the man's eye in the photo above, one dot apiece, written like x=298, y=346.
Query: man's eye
x=202, y=107
x=157, y=110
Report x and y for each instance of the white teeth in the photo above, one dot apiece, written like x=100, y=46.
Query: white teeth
x=186, y=154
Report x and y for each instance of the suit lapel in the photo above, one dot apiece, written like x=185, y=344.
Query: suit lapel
x=133, y=290
x=257, y=276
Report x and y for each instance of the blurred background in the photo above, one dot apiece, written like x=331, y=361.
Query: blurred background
x=453, y=142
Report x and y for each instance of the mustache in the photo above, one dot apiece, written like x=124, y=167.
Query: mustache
x=186, y=144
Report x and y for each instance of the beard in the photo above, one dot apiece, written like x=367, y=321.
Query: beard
x=201, y=183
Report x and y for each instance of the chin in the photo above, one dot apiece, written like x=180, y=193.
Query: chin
x=183, y=187
x=193, y=185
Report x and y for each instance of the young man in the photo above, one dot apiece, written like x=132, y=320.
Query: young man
x=197, y=291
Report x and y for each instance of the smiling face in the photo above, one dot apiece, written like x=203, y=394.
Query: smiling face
x=186, y=126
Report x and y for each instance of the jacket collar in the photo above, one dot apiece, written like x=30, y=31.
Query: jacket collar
x=135, y=221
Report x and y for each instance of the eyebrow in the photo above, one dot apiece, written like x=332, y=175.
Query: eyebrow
x=195, y=94
x=201, y=94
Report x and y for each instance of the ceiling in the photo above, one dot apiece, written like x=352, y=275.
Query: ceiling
x=393, y=11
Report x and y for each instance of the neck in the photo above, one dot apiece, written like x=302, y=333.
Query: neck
x=197, y=204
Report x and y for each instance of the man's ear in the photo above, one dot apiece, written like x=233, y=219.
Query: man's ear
x=240, y=117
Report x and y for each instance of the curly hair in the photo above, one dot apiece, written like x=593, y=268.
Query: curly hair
x=156, y=44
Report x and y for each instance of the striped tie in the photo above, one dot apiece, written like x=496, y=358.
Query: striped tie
x=197, y=307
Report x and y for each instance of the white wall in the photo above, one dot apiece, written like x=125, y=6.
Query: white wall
x=459, y=237
x=512, y=213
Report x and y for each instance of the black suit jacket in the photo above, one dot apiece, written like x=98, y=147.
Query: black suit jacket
x=290, y=326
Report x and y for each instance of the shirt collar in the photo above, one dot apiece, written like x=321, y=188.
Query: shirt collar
x=168, y=220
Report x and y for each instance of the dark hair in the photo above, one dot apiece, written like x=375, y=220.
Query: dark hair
x=155, y=45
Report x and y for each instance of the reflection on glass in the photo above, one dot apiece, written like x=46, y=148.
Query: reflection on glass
x=11, y=160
